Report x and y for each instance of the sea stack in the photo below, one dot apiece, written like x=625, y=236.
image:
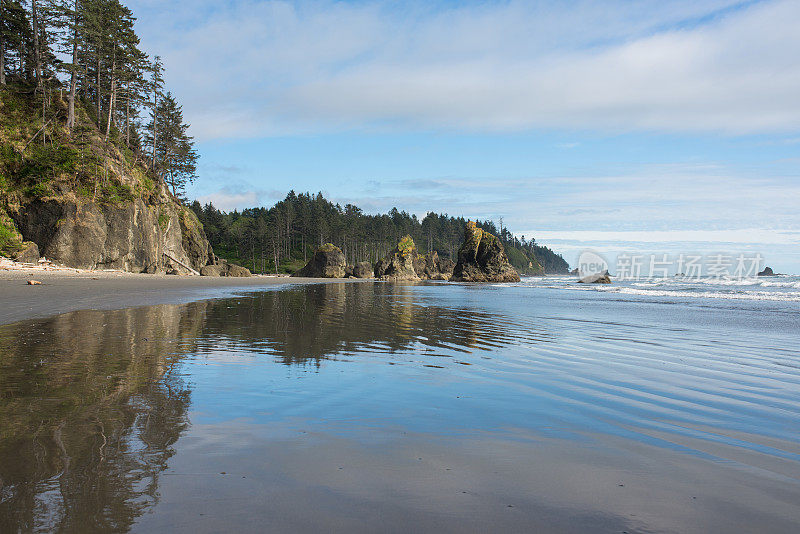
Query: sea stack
x=482, y=258
x=766, y=272
x=327, y=262
x=399, y=263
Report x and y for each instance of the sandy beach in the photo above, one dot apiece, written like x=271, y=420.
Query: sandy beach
x=66, y=290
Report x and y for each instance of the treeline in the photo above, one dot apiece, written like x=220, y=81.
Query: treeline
x=283, y=237
x=88, y=51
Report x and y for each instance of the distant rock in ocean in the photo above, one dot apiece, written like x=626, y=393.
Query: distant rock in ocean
x=327, y=262
x=482, y=258
x=766, y=272
x=597, y=278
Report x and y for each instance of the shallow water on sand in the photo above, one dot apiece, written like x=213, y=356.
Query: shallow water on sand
x=380, y=407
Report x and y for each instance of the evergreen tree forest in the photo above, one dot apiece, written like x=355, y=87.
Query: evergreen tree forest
x=282, y=238
x=72, y=63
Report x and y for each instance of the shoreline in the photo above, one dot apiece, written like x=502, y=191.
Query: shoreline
x=63, y=291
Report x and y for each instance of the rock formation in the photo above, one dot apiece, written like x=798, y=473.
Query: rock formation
x=399, y=264
x=597, y=278
x=431, y=267
x=223, y=268
x=766, y=272
x=363, y=269
x=327, y=262
x=482, y=258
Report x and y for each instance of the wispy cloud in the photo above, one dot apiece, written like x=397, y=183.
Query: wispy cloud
x=254, y=68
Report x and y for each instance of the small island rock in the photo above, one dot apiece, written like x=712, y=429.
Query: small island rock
x=766, y=272
x=482, y=258
x=597, y=278
x=399, y=264
x=327, y=262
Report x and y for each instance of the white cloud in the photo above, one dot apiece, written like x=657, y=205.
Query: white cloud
x=251, y=68
x=227, y=200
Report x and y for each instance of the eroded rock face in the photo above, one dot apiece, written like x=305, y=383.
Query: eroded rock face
x=327, y=262
x=482, y=258
x=363, y=269
x=399, y=263
x=431, y=267
x=133, y=236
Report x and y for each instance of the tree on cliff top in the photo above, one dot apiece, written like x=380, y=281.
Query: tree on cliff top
x=175, y=157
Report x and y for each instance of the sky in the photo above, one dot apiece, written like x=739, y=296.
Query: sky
x=669, y=126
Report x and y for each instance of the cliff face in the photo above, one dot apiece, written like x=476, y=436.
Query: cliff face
x=132, y=236
x=86, y=201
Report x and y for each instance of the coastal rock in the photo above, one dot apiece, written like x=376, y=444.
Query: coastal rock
x=597, y=278
x=766, y=272
x=431, y=267
x=137, y=236
x=327, y=262
x=482, y=258
x=399, y=264
x=363, y=269
x=212, y=270
x=237, y=271
x=223, y=268
x=28, y=254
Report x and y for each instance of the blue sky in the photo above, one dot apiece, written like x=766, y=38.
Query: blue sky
x=669, y=126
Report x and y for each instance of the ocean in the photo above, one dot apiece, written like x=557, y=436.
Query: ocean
x=546, y=406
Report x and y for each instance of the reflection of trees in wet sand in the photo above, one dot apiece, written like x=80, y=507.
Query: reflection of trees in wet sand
x=310, y=323
x=90, y=406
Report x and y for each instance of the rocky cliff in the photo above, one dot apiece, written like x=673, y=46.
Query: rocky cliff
x=87, y=201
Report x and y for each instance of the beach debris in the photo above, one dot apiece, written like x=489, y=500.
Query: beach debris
x=34, y=283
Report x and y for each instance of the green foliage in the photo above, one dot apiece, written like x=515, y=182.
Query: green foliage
x=406, y=246
x=289, y=232
x=10, y=238
x=46, y=162
x=163, y=221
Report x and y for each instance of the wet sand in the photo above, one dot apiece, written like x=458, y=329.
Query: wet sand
x=403, y=408
x=66, y=291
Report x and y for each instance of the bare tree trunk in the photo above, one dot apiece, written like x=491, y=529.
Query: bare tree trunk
x=2, y=53
x=111, y=94
x=36, y=52
x=99, y=111
x=128, y=116
x=73, y=80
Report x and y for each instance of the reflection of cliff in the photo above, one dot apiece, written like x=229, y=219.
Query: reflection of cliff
x=309, y=323
x=90, y=405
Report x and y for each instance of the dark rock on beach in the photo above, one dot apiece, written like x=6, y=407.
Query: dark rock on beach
x=363, y=269
x=766, y=272
x=28, y=254
x=328, y=262
x=482, y=258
